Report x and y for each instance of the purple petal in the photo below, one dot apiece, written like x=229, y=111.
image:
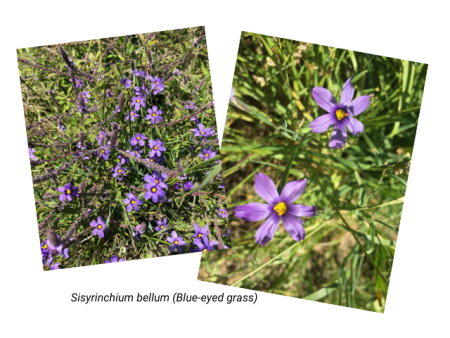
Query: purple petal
x=358, y=105
x=322, y=123
x=265, y=188
x=294, y=226
x=100, y=234
x=292, y=191
x=347, y=93
x=129, y=207
x=324, y=99
x=62, y=197
x=253, y=212
x=338, y=136
x=355, y=126
x=301, y=210
x=267, y=230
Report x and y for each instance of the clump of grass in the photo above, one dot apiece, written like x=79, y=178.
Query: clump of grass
x=103, y=181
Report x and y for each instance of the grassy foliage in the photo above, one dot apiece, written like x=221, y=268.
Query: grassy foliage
x=347, y=255
x=64, y=131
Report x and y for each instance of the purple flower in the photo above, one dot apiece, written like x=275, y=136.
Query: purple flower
x=53, y=266
x=177, y=186
x=200, y=232
x=100, y=137
x=99, y=227
x=190, y=105
x=195, y=118
x=141, y=91
x=207, y=153
x=154, y=115
x=137, y=102
x=68, y=191
x=158, y=160
x=157, y=85
x=132, y=202
x=204, y=245
x=86, y=95
x=182, y=177
x=138, y=138
x=341, y=115
x=78, y=83
x=135, y=72
x=62, y=127
x=201, y=131
x=123, y=159
x=135, y=151
x=132, y=115
x=45, y=251
x=118, y=172
x=114, y=259
x=30, y=153
x=176, y=72
x=196, y=43
x=227, y=234
x=125, y=82
x=162, y=224
x=222, y=186
x=103, y=153
x=223, y=213
x=278, y=208
x=177, y=242
x=109, y=93
x=155, y=188
x=188, y=186
x=156, y=147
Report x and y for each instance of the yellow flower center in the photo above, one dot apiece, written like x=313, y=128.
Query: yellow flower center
x=223, y=212
x=202, y=133
x=153, y=189
x=84, y=95
x=132, y=114
x=138, y=138
x=157, y=82
x=100, y=135
x=151, y=160
x=99, y=226
x=138, y=101
x=45, y=246
x=199, y=236
x=156, y=181
x=340, y=114
x=280, y=208
x=204, y=250
x=103, y=150
x=120, y=170
x=206, y=155
x=135, y=152
x=176, y=242
x=153, y=114
x=67, y=191
x=162, y=226
x=155, y=147
x=133, y=201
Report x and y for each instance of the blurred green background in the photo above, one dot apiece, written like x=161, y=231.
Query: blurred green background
x=347, y=256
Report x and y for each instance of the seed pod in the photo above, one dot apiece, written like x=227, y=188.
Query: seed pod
x=132, y=64
x=65, y=56
x=114, y=138
x=53, y=239
x=121, y=101
x=81, y=138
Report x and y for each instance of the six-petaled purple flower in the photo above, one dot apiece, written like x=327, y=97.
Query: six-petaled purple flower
x=154, y=115
x=176, y=241
x=206, y=154
x=99, y=227
x=132, y=202
x=68, y=191
x=341, y=115
x=279, y=207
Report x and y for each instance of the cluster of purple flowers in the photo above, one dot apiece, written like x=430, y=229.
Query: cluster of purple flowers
x=155, y=186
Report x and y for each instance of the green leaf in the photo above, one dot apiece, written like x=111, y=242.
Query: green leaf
x=287, y=170
x=213, y=173
x=362, y=191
